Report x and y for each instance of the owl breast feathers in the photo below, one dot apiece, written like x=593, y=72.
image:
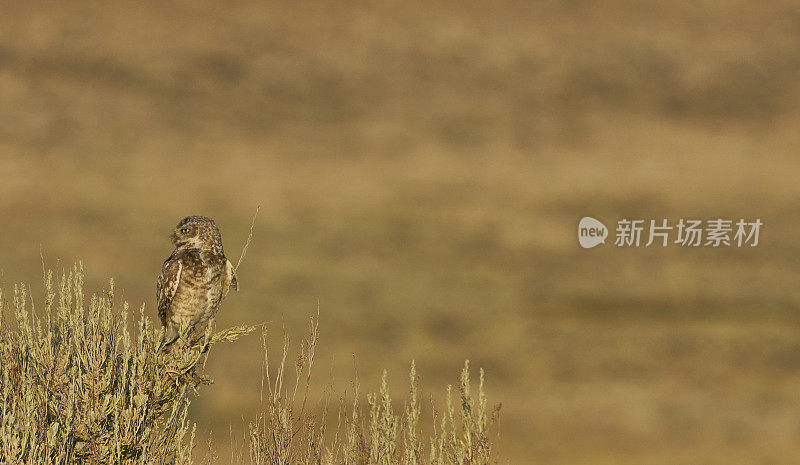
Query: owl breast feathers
x=193, y=280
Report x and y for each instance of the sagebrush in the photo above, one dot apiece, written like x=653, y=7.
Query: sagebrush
x=78, y=386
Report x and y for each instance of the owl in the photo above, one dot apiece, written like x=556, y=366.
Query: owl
x=193, y=280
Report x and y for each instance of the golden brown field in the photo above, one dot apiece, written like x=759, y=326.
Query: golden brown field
x=421, y=168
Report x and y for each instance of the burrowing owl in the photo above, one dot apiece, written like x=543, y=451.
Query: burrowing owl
x=193, y=280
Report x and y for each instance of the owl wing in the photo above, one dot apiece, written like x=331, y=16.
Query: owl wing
x=230, y=279
x=167, y=285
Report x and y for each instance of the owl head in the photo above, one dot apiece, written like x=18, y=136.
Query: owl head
x=197, y=232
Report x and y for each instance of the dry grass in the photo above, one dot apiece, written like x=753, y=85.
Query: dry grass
x=287, y=432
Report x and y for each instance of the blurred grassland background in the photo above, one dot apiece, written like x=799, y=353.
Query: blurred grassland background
x=421, y=168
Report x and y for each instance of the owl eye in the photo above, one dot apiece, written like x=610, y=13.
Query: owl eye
x=185, y=230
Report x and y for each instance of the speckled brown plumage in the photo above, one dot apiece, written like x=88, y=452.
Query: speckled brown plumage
x=193, y=280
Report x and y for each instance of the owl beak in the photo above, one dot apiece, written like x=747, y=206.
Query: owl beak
x=173, y=237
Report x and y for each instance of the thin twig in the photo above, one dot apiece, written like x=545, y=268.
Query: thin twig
x=249, y=238
x=44, y=273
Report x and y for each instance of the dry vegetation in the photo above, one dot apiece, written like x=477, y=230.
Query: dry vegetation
x=77, y=387
x=289, y=431
x=422, y=166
